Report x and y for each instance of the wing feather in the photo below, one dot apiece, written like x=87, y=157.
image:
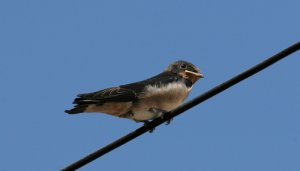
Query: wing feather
x=114, y=94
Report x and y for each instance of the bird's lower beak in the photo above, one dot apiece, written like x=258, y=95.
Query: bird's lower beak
x=193, y=75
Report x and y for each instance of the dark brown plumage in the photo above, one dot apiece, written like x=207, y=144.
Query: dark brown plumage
x=140, y=100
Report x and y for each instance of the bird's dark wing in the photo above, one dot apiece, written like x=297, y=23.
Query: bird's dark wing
x=158, y=80
x=121, y=94
x=125, y=93
x=114, y=94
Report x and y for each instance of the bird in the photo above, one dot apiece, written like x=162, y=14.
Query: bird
x=145, y=100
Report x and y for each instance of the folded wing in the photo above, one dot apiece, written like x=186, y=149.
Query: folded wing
x=113, y=100
x=115, y=94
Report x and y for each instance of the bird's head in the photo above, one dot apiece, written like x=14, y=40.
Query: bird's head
x=186, y=70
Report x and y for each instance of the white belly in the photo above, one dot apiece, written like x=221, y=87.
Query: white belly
x=165, y=98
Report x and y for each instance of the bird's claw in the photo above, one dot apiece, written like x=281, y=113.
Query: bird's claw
x=161, y=113
x=146, y=125
x=168, y=121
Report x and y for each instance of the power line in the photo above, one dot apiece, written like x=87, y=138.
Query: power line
x=210, y=93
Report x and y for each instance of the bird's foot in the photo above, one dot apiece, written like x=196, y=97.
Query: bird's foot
x=146, y=124
x=169, y=121
x=160, y=113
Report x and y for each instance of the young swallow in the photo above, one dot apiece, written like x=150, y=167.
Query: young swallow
x=144, y=100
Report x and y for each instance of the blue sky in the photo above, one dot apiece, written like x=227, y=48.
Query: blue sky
x=53, y=50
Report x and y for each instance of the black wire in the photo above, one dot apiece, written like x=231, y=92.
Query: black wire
x=219, y=88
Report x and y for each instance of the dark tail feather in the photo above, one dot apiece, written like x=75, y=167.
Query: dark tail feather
x=82, y=101
x=78, y=100
x=77, y=109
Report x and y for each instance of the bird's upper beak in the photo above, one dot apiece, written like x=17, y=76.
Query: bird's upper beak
x=194, y=76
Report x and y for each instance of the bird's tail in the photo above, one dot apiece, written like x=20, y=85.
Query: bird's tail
x=81, y=103
x=77, y=109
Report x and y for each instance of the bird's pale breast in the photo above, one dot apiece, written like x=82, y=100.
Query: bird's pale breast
x=164, y=97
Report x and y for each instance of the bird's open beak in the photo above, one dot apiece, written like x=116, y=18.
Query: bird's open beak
x=193, y=75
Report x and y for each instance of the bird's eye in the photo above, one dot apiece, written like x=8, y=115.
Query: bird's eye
x=183, y=66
